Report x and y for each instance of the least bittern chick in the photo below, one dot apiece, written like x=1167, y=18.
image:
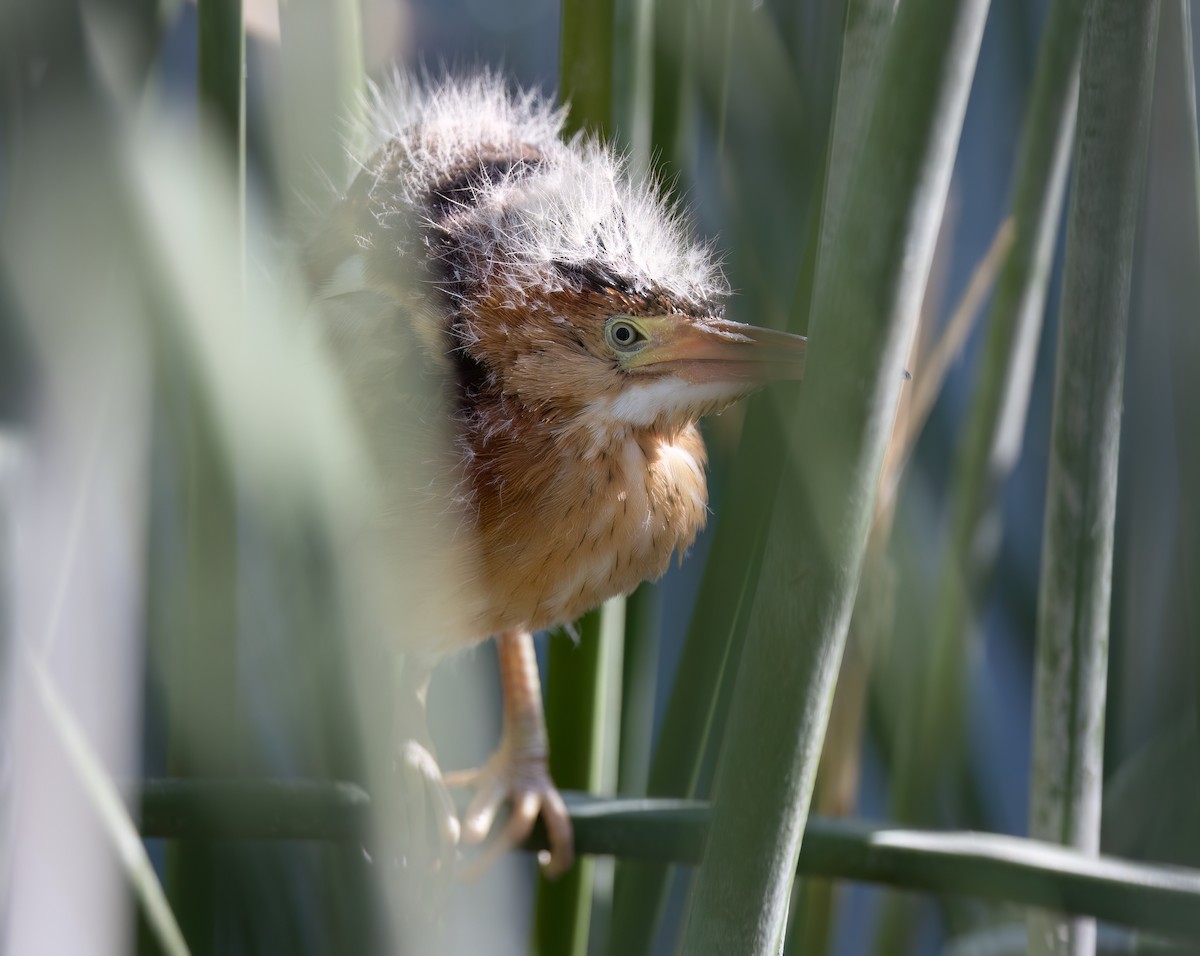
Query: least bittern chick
x=577, y=330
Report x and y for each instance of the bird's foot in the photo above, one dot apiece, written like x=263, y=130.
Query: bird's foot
x=522, y=777
x=430, y=826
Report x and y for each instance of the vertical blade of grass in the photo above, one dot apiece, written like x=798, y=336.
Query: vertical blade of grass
x=221, y=67
x=696, y=708
x=71, y=547
x=1186, y=351
x=321, y=48
x=581, y=679
x=633, y=80
x=1191, y=118
x=193, y=585
x=221, y=79
x=679, y=751
x=579, y=683
x=868, y=24
x=643, y=611
x=991, y=443
x=671, y=21
x=995, y=424
x=1073, y=605
x=996, y=420
x=321, y=60
x=868, y=300
x=271, y=403
x=106, y=801
x=200, y=618
x=586, y=64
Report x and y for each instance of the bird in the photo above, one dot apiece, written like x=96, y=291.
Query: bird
x=551, y=318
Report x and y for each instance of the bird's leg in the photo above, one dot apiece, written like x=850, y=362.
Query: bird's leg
x=518, y=770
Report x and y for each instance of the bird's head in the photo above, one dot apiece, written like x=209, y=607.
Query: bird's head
x=587, y=350
x=567, y=285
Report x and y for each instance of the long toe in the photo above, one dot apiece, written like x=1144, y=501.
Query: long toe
x=430, y=820
x=560, y=834
x=526, y=785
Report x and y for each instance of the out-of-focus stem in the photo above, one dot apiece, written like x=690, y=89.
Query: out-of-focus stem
x=868, y=291
x=1073, y=604
x=582, y=681
x=1186, y=341
x=321, y=50
x=996, y=418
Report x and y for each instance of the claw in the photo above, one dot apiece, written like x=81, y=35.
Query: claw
x=419, y=845
x=517, y=771
x=524, y=781
x=430, y=796
x=428, y=830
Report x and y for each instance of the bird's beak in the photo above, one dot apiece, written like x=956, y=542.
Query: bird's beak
x=717, y=350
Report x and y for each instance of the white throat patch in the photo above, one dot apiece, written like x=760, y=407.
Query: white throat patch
x=641, y=405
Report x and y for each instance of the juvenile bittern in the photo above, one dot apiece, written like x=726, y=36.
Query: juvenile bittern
x=575, y=330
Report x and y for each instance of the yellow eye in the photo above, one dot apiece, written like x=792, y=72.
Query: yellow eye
x=622, y=335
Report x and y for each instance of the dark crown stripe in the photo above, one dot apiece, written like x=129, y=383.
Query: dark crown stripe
x=458, y=193
x=489, y=167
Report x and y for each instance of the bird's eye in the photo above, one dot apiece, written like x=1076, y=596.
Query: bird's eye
x=623, y=335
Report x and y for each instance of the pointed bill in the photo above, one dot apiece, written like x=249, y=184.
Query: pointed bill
x=717, y=350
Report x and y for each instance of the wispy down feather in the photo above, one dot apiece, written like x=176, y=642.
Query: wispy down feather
x=580, y=206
